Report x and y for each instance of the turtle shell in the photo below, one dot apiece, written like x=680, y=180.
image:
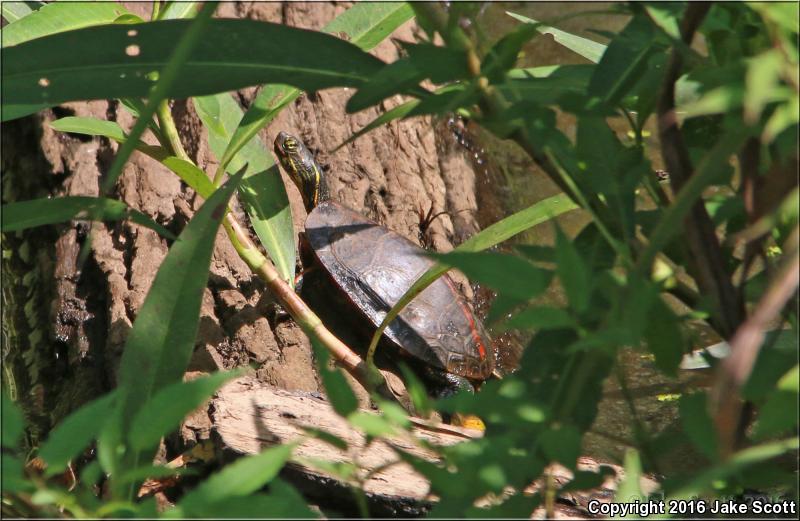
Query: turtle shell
x=374, y=267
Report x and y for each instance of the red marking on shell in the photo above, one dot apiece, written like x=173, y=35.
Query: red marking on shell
x=476, y=337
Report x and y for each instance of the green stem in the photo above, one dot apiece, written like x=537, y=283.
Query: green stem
x=170, y=131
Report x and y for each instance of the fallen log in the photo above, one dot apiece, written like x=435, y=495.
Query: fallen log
x=249, y=417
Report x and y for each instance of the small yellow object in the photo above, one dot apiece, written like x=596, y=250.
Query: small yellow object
x=468, y=421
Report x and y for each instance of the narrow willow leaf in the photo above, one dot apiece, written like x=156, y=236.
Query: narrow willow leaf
x=665, y=338
x=342, y=398
x=697, y=424
x=498, y=232
x=365, y=24
x=240, y=478
x=12, y=422
x=539, y=317
x=503, y=55
x=90, y=127
x=508, y=274
x=735, y=464
x=187, y=171
x=116, y=61
x=562, y=444
x=59, y=17
x=624, y=62
x=170, y=405
x=262, y=190
x=424, y=60
x=39, y=212
x=13, y=11
x=174, y=10
x=191, y=175
x=162, y=339
x=75, y=433
x=154, y=472
x=590, y=50
x=547, y=84
x=574, y=275
x=165, y=79
x=398, y=112
x=281, y=502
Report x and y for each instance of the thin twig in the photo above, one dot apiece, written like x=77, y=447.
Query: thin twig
x=734, y=372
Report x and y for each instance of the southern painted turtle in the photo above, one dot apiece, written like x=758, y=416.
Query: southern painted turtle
x=372, y=267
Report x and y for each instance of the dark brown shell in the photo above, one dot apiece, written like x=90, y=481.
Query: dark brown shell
x=375, y=267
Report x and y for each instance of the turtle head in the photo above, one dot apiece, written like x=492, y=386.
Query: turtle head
x=301, y=166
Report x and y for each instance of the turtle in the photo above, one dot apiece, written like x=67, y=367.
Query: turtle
x=369, y=267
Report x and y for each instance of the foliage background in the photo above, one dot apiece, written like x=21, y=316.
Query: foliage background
x=721, y=238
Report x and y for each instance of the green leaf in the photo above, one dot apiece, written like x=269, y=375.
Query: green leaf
x=327, y=437
x=59, y=17
x=161, y=341
x=187, y=171
x=39, y=212
x=562, y=444
x=282, y=502
x=191, y=175
x=574, y=275
x=667, y=16
x=165, y=79
x=90, y=127
x=13, y=423
x=399, y=112
x=762, y=80
x=241, y=478
x=778, y=415
x=365, y=24
x=547, y=84
x=154, y=472
x=629, y=489
x=12, y=472
x=416, y=391
x=736, y=464
x=371, y=424
x=75, y=432
x=779, y=351
x=167, y=408
x=341, y=396
x=262, y=191
x=664, y=337
x=508, y=274
x=13, y=11
x=624, y=62
x=503, y=55
x=439, y=64
x=540, y=317
x=117, y=61
x=590, y=50
x=108, y=129
x=178, y=9
x=697, y=423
